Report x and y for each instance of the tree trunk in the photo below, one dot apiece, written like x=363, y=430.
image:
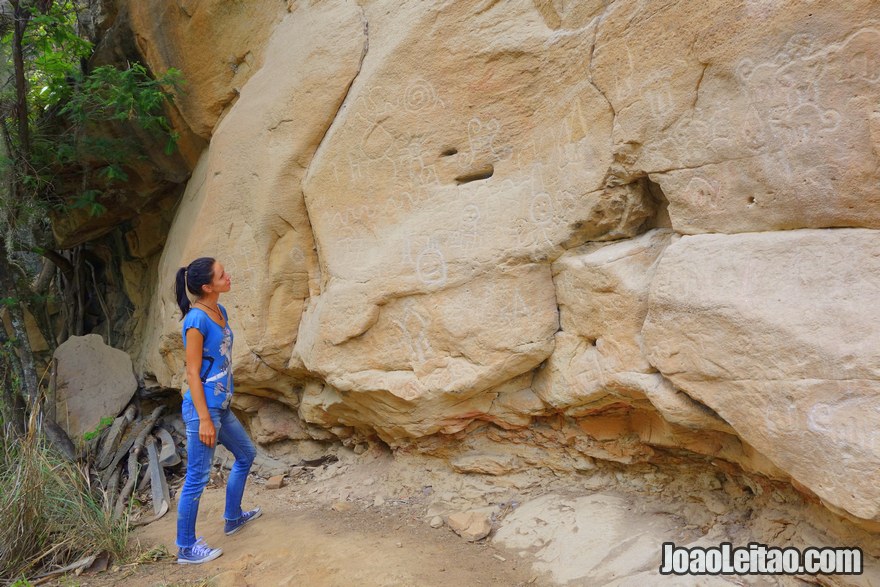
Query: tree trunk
x=16, y=318
x=60, y=261
x=21, y=16
x=11, y=405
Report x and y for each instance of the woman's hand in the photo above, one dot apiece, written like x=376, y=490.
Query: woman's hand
x=207, y=434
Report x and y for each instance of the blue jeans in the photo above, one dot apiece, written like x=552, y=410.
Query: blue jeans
x=231, y=434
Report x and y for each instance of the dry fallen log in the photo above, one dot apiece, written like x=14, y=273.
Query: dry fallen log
x=168, y=456
x=136, y=450
x=145, y=480
x=133, y=468
x=80, y=564
x=113, y=485
x=158, y=483
x=113, y=438
x=134, y=436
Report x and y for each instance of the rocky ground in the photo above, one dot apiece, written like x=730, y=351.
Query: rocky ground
x=374, y=520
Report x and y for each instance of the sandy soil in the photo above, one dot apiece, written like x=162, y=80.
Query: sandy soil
x=295, y=545
x=315, y=532
x=366, y=521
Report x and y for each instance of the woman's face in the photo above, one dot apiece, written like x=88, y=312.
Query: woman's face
x=221, y=282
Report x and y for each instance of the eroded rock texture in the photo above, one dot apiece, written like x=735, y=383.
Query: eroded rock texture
x=482, y=230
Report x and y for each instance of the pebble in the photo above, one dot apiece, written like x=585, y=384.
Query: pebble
x=436, y=522
x=276, y=482
x=471, y=526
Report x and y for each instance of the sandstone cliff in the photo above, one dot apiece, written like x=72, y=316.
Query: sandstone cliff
x=534, y=233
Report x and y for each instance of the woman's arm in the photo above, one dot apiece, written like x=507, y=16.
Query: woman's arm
x=194, y=346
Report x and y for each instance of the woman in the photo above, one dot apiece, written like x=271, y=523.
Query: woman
x=207, y=340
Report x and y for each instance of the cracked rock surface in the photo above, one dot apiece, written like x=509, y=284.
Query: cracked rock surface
x=541, y=234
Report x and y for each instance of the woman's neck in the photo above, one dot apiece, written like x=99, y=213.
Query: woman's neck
x=210, y=300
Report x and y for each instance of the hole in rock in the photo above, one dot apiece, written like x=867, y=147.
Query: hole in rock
x=449, y=152
x=661, y=217
x=477, y=175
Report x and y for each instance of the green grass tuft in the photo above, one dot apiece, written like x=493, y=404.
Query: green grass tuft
x=50, y=514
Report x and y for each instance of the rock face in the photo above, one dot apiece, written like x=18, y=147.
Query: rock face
x=775, y=332
x=770, y=125
x=243, y=205
x=482, y=230
x=216, y=45
x=93, y=381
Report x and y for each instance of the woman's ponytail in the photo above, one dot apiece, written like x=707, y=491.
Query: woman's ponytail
x=180, y=291
x=191, y=279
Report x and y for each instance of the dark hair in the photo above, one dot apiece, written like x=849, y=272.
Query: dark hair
x=192, y=277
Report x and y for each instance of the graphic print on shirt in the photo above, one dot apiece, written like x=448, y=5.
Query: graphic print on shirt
x=221, y=378
x=216, y=364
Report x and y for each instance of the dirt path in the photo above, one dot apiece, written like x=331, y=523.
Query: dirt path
x=365, y=521
x=300, y=544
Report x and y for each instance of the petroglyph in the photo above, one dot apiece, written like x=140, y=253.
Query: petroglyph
x=787, y=92
x=431, y=265
x=420, y=95
x=514, y=309
x=701, y=193
x=861, y=58
x=414, y=329
x=481, y=140
x=468, y=232
x=388, y=149
x=851, y=424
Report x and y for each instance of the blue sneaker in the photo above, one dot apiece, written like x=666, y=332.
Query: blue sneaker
x=233, y=526
x=197, y=553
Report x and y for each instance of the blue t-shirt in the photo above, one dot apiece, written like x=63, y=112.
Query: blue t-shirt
x=216, y=368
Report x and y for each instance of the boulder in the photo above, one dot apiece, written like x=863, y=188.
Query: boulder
x=438, y=355
x=94, y=381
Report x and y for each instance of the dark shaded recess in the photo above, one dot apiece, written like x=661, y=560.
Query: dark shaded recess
x=476, y=175
x=661, y=215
